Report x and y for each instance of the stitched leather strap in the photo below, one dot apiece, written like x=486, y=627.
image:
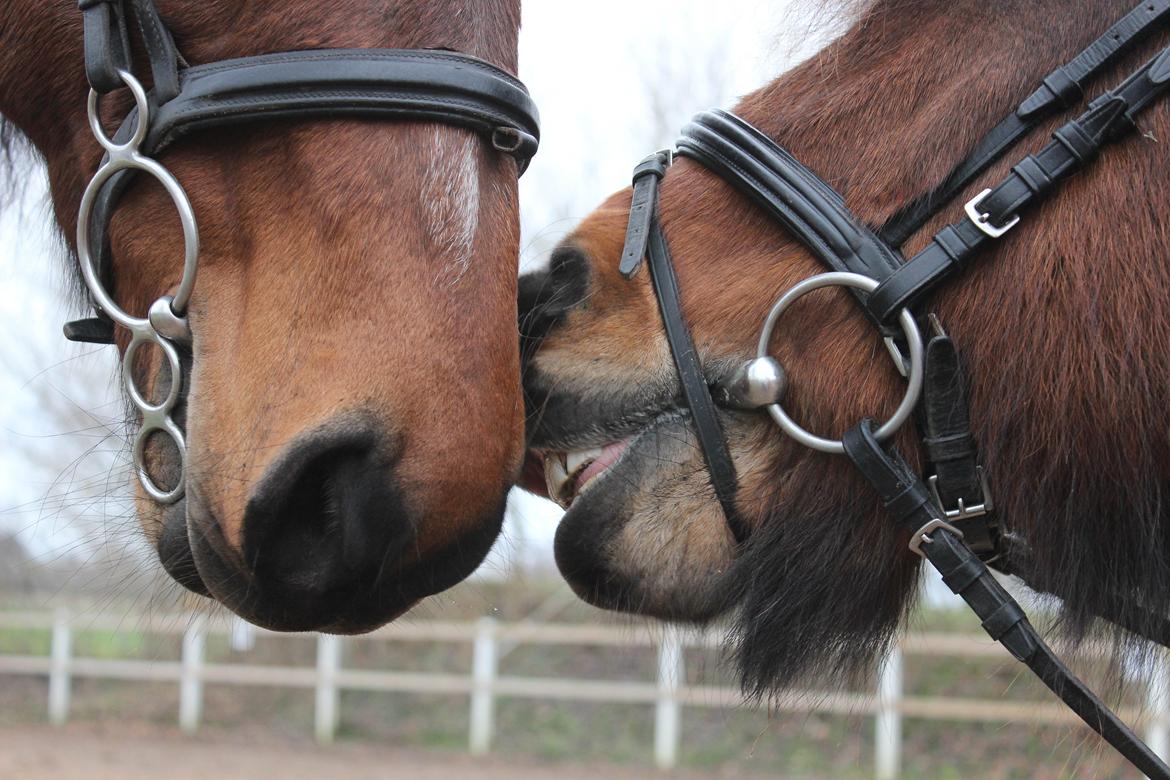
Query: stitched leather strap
x=1059, y=90
x=788, y=191
x=1109, y=118
x=1002, y=617
x=107, y=45
x=416, y=84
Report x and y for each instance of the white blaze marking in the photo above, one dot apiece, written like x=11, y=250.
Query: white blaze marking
x=451, y=197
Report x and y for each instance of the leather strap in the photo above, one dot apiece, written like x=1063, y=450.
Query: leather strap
x=695, y=390
x=1002, y=617
x=1109, y=118
x=91, y=330
x=643, y=205
x=787, y=190
x=416, y=84
x=952, y=455
x=107, y=45
x=1059, y=90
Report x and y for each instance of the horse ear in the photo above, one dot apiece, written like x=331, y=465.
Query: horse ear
x=545, y=297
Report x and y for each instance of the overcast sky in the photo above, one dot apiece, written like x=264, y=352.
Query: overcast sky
x=612, y=78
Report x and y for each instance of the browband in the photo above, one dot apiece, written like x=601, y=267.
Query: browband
x=417, y=84
x=427, y=85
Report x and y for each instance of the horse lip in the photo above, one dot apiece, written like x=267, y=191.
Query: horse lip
x=175, y=553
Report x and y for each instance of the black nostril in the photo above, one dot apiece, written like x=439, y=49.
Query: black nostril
x=325, y=516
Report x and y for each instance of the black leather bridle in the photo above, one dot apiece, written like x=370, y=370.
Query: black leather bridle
x=949, y=516
x=423, y=85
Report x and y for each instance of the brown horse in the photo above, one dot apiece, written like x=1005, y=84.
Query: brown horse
x=1064, y=327
x=354, y=414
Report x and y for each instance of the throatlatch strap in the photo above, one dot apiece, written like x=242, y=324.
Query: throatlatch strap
x=1060, y=90
x=1002, y=617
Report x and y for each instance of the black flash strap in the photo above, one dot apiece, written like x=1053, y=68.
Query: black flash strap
x=644, y=238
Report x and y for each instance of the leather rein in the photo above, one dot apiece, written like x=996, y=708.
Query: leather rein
x=949, y=515
x=422, y=85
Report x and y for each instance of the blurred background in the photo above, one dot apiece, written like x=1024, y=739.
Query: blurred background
x=508, y=667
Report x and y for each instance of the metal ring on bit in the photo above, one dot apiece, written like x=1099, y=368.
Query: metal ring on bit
x=913, y=341
x=165, y=324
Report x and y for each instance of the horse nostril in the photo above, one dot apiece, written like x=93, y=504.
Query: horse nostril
x=325, y=517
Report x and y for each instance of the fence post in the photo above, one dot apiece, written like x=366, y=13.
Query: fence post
x=667, y=710
x=191, y=675
x=243, y=636
x=1158, y=705
x=59, y=683
x=483, y=677
x=888, y=721
x=327, y=711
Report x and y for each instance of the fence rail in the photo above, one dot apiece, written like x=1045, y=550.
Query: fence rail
x=668, y=694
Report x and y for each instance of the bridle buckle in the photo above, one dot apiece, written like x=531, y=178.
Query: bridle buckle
x=964, y=512
x=982, y=219
x=922, y=535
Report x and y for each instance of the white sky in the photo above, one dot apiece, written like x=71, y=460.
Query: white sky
x=593, y=69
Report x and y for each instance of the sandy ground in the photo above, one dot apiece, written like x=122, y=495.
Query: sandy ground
x=137, y=753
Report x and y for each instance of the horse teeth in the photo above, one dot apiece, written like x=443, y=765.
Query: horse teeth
x=555, y=477
x=578, y=460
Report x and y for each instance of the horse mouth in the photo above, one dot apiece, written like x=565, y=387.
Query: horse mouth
x=569, y=473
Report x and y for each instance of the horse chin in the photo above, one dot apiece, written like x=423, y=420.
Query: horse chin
x=647, y=535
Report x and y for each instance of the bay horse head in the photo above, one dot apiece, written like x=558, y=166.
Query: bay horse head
x=1063, y=328
x=348, y=375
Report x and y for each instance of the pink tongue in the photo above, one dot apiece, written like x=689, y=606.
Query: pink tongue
x=609, y=454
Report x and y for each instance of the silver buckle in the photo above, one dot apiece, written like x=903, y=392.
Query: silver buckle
x=922, y=535
x=982, y=220
x=964, y=512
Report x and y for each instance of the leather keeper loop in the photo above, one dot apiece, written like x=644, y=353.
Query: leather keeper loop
x=651, y=166
x=949, y=240
x=1003, y=619
x=1080, y=144
x=1064, y=88
x=962, y=576
x=945, y=449
x=907, y=503
x=1032, y=173
x=107, y=44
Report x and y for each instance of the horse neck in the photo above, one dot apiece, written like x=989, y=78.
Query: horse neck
x=890, y=107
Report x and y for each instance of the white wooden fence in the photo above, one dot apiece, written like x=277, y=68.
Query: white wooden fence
x=484, y=685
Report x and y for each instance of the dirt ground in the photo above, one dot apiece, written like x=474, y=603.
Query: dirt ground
x=138, y=753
